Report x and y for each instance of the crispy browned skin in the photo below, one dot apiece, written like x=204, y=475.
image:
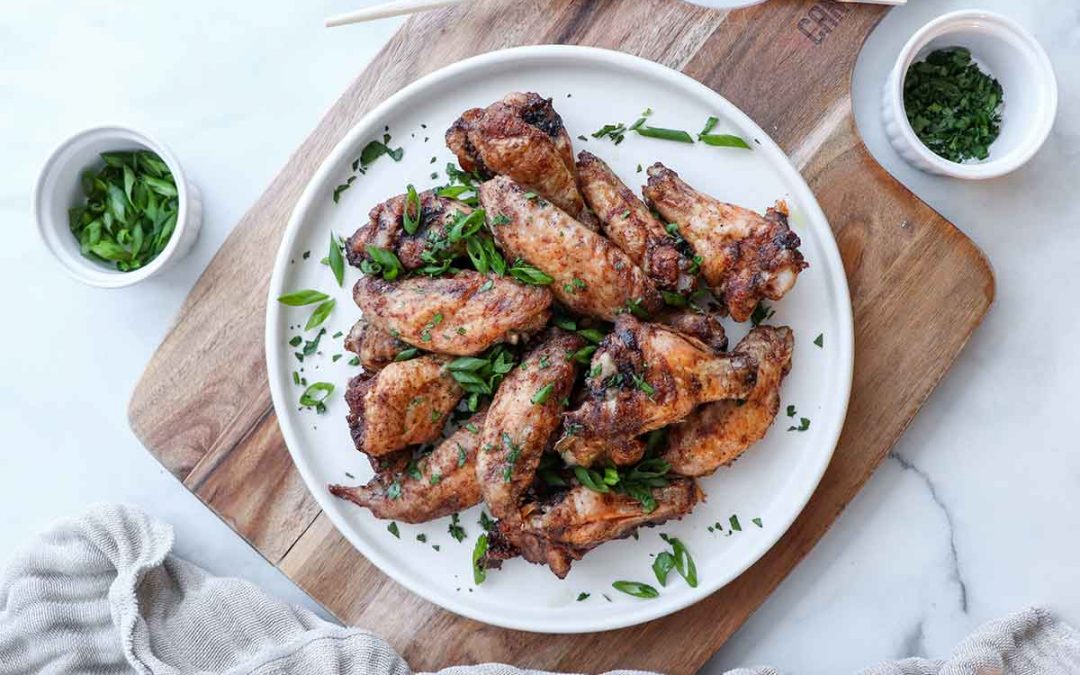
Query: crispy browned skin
x=745, y=256
x=521, y=137
x=519, y=429
x=579, y=520
x=461, y=314
x=647, y=377
x=385, y=229
x=446, y=484
x=591, y=275
x=403, y=404
x=704, y=325
x=375, y=348
x=631, y=226
x=717, y=433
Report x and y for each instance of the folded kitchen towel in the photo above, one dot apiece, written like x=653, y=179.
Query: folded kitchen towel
x=101, y=594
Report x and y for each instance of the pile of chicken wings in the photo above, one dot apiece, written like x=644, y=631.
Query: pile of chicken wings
x=578, y=401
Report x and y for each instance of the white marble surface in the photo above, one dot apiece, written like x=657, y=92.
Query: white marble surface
x=974, y=516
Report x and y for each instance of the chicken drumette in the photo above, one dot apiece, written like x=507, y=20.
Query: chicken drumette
x=432, y=215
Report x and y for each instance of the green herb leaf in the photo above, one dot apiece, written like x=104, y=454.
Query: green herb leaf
x=636, y=589
x=526, y=273
x=724, y=141
x=734, y=522
x=385, y=263
x=455, y=528
x=543, y=394
x=316, y=395
x=662, y=565
x=336, y=260
x=406, y=354
x=320, y=314
x=304, y=297
x=677, y=135
x=820, y=340
x=392, y=528
x=411, y=214
x=582, y=596
x=479, y=550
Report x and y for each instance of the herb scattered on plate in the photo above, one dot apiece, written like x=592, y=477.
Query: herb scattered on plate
x=130, y=211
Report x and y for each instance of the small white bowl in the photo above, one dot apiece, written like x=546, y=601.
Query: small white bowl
x=1008, y=52
x=59, y=188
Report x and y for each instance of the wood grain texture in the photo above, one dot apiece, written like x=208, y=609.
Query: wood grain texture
x=203, y=408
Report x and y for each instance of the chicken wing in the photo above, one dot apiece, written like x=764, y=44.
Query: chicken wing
x=522, y=137
x=564, y=530
x=523, y=417
x=463, y=314
x=404, y=404
x=631, y=226
x=745, y=256
x=703, y=325
x=436, y=485
x=375, y=348
x=386, y=229
x=591, y=275
x=646, y=376
x=717, y=433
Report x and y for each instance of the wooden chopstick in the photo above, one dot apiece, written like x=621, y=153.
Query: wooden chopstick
x=388, y=9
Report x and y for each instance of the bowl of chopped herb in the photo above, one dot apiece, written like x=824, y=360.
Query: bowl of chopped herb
x=114, y=207
x=973, y=95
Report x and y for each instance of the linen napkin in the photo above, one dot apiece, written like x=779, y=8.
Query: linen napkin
x=101, y=594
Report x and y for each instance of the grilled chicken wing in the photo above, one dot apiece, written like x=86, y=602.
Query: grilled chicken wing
x=631, y=226
x=717, y=433
x=704, y=325
x=375, y=348
x=644, y=377
x=461, y=314
x=403, y=404
x=444, y=482
x=523, y=417
x=591, y=275
x=560, y=532
x=386, y=229
x=522, y=137
x=745, y=256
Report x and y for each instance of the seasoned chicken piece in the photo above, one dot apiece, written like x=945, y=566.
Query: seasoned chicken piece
x=631, y=226
x=745, y=256
x=591, y=275
x=374, y=347
x=462, y=314
x=717, y=433
x=404, y=404
x=386, y=229
x=442, y=483
x=564, y=530
x=646, y=376
x=704, y=325
x=521, y=137
x=523, y=417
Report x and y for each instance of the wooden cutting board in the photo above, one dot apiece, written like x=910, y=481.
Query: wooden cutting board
x=919, y=288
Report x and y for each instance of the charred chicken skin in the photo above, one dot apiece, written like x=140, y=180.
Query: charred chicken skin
x=717, y=433
x=375, y=348
x=404, y=404
x=386, y=228
x=442, y=483
x=631, y=226
x=523, y=138
x=745, y=256
x=591, y=275
x=462, y=315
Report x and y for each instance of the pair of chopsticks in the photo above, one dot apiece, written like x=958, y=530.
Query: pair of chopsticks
x=400, y=7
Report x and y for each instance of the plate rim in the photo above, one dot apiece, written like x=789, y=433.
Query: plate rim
x=803, y=195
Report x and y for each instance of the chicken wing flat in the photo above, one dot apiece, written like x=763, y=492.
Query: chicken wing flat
x=645, y=376
x=386, y=228
x=717, y=433
x=375, y=348
x=591, y=275
x=404, y=404
x=521, y=137
x=441, y=483
x=703, y=325
x=562, y=531
x=462, y=314
x=631, y=226
x=745, y=256
x=523, y=417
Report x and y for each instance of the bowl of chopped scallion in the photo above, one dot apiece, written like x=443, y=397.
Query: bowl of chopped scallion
x=113, y=206
x=973, y=95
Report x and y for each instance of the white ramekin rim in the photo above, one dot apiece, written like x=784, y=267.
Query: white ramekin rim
x=943, y=25
x=86, y=270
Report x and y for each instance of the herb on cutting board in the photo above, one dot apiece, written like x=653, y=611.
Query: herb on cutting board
x=953, y=106
x=130, y=211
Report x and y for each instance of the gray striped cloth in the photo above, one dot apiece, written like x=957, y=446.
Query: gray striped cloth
x=101, y=595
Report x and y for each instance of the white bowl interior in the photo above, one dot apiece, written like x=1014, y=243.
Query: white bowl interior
x=1029, y=98
x=60, y=188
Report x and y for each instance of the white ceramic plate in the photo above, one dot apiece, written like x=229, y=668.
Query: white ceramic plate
x=771, y=482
